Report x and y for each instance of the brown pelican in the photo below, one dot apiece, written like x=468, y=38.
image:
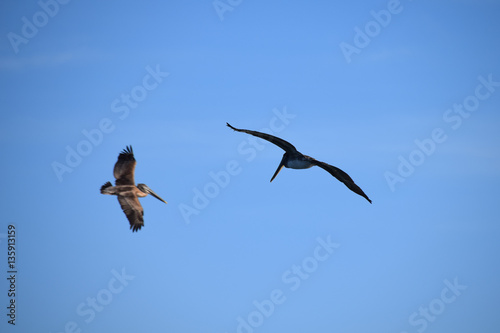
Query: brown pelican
x=126, y=190
x=295, y=160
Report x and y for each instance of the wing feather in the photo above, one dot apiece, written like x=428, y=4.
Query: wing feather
x=285, y=145
x=342, y=176
x=133, y=210
x=125, y=167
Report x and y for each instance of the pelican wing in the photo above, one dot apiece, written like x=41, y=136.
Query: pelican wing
x=342, y=176
x=285, y=145
x=134, y=211
x=125, y=167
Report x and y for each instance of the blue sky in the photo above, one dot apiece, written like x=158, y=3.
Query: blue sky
x=411, y=115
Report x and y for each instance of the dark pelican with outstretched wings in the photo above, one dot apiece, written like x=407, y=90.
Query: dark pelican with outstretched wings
x=128, y=194
x=293, y=159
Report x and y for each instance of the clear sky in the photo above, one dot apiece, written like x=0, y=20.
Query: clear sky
x=404, y=96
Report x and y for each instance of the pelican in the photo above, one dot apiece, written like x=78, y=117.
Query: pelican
x=293, y=159
x=126, y=190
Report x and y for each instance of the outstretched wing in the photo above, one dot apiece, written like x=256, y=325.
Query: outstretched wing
x=133, y=210
x=342, y=176
x=125, y=167
x=285, y=145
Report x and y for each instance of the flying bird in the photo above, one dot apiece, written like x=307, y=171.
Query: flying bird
x=293, y=159
x=128, y=194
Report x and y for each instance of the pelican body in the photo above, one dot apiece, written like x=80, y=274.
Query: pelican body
x=293, y=159
x=126, y=190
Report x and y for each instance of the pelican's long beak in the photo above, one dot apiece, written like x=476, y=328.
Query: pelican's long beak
x=155, y=195
x=282, y=164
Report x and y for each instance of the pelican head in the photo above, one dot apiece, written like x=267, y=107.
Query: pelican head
x=145, y=188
